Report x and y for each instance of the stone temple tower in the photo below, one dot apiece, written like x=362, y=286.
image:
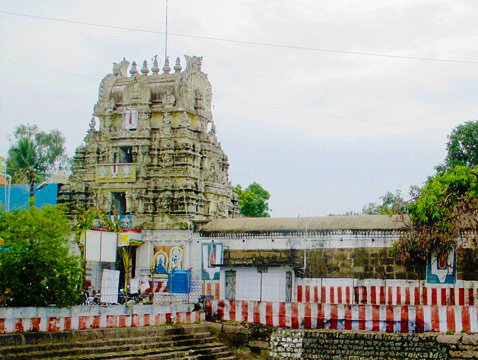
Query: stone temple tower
x=151, y=154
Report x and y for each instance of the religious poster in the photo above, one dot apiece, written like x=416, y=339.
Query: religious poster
x=131, y=119
x=441, y=271
x=167, y=258
x=212, y=257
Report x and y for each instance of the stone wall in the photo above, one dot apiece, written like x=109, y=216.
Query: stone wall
x=360, y=263
x=323, y=344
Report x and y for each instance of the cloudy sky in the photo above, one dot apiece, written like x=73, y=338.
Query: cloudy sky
x=300, y=104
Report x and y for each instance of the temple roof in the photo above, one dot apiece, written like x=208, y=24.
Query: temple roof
x=323, y=223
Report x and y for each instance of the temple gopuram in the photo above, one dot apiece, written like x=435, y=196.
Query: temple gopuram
x=151, y=154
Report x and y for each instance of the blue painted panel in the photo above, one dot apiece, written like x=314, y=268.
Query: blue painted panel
x=19, y=195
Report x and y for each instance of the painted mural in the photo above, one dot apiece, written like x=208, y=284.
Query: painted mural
x=167, y=258
x=441, y=271
x=212, y=255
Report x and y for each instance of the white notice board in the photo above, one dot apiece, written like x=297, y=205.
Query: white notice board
x=109, y=286
x=93, y=245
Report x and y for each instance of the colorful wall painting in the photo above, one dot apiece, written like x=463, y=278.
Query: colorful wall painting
x=212, y=256
x=167, y=258
x=441, y=271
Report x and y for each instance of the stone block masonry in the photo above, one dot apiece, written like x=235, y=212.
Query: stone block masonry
x=325, y=344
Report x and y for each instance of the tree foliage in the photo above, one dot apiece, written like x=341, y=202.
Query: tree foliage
x=36, y=268
x=35, y=153
x=442, y=215
x=391, y=204
x=462, y=146
x=253, y=200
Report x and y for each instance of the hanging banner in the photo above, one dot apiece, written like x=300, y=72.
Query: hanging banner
x=212, y=257
x=109, y=286
x=167, y=258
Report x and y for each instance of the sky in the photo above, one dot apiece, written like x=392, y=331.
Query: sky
x=301, y=104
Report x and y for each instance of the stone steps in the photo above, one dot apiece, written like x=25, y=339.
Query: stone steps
x=188, y=342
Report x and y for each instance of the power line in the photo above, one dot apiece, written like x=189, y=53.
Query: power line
x=245, y=42
x=49, y=69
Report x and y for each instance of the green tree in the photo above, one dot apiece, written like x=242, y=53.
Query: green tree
x=253, y=200
x=391, y=204
x=462, y=146
x=36, y=268
x=442, y=215
x=34, y=154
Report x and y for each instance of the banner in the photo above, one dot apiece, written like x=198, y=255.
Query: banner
x=167, y=258
x=441, y=271
x=212, y=257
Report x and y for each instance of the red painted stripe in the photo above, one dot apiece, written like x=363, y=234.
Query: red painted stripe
x=347, y=295
x=375, y=318
x=322, y=295
x=217, y=294
x=209, y=308
x=244, y=310
x=407, y=296
x=356, y=294
x=424, y=296
x=35, y=323
x=188, y=317
x=110, y=321
x=339, y=294
x=179, y=318
x=316, y=294
x=169, y=319
x=450, y=318
x=465, y=319
x=332, y=295
x=282, y=320
x=53, y=324
x=419, y=319
x=452, y=297
x=122, y=321
x=399, y=295
x=307, y=317
x=232, y=310
x=269, y=314
x=146, y=318
x=348, y=317
x=373, y=295
x=18, y=325
x=404, y=319
x=443, y=296
x=461, y=296
x=471, y=301
x=417, y=296
x=135, y=320
x=390, y=319
x=67, y=323
x=320, y=316
x=307, y=294
x=435, y=319
x=96, y=322
x=390, y=296
x=334, y=312
x=295, y=316
x=299, y=293
x=434, y=296
x=364, y=294
x=209, y=290
x=361, y=317
x=382, y=295
x=82, y=322
x=220, y=309
x=2, y=326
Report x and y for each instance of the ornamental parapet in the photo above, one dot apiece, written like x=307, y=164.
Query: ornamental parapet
x=116, y=172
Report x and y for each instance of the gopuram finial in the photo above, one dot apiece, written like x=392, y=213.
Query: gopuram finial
x=144, y=69
x=166, y=67
x=134, y=69
x=155, y=68
x=178, y=67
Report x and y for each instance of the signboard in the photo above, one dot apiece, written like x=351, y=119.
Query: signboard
x=441, y=271
x=109, y=286
x=212, y=256
x=131, y=119
x=100, y=246
x=167, y=258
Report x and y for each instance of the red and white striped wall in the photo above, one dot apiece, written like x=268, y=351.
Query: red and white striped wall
x=382, y=318
x=94, y=317
x=404, y=293
x=211, y=289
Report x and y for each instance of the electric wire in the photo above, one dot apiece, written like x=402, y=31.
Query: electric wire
x=246, y=42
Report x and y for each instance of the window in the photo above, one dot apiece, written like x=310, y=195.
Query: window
x=118, y=200
x=230, y=284
x=126, y=154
